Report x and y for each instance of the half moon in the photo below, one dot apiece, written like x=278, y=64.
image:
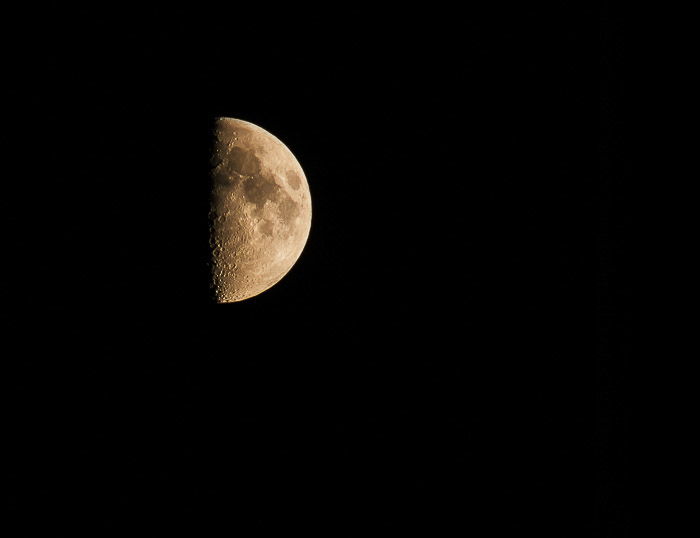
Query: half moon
x=260, y=213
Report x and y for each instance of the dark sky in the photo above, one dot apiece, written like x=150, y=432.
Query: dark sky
x=433, y=359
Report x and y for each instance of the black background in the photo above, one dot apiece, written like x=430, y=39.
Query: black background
x=431, y=362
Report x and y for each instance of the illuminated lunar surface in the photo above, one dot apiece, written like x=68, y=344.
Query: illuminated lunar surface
x=260, y=210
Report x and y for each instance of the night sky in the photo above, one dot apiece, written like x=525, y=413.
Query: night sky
x=437, y=358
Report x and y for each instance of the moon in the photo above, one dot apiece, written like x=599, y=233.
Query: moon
x=260, y=212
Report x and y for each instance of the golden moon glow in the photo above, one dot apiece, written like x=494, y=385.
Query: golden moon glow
x=260, y=213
